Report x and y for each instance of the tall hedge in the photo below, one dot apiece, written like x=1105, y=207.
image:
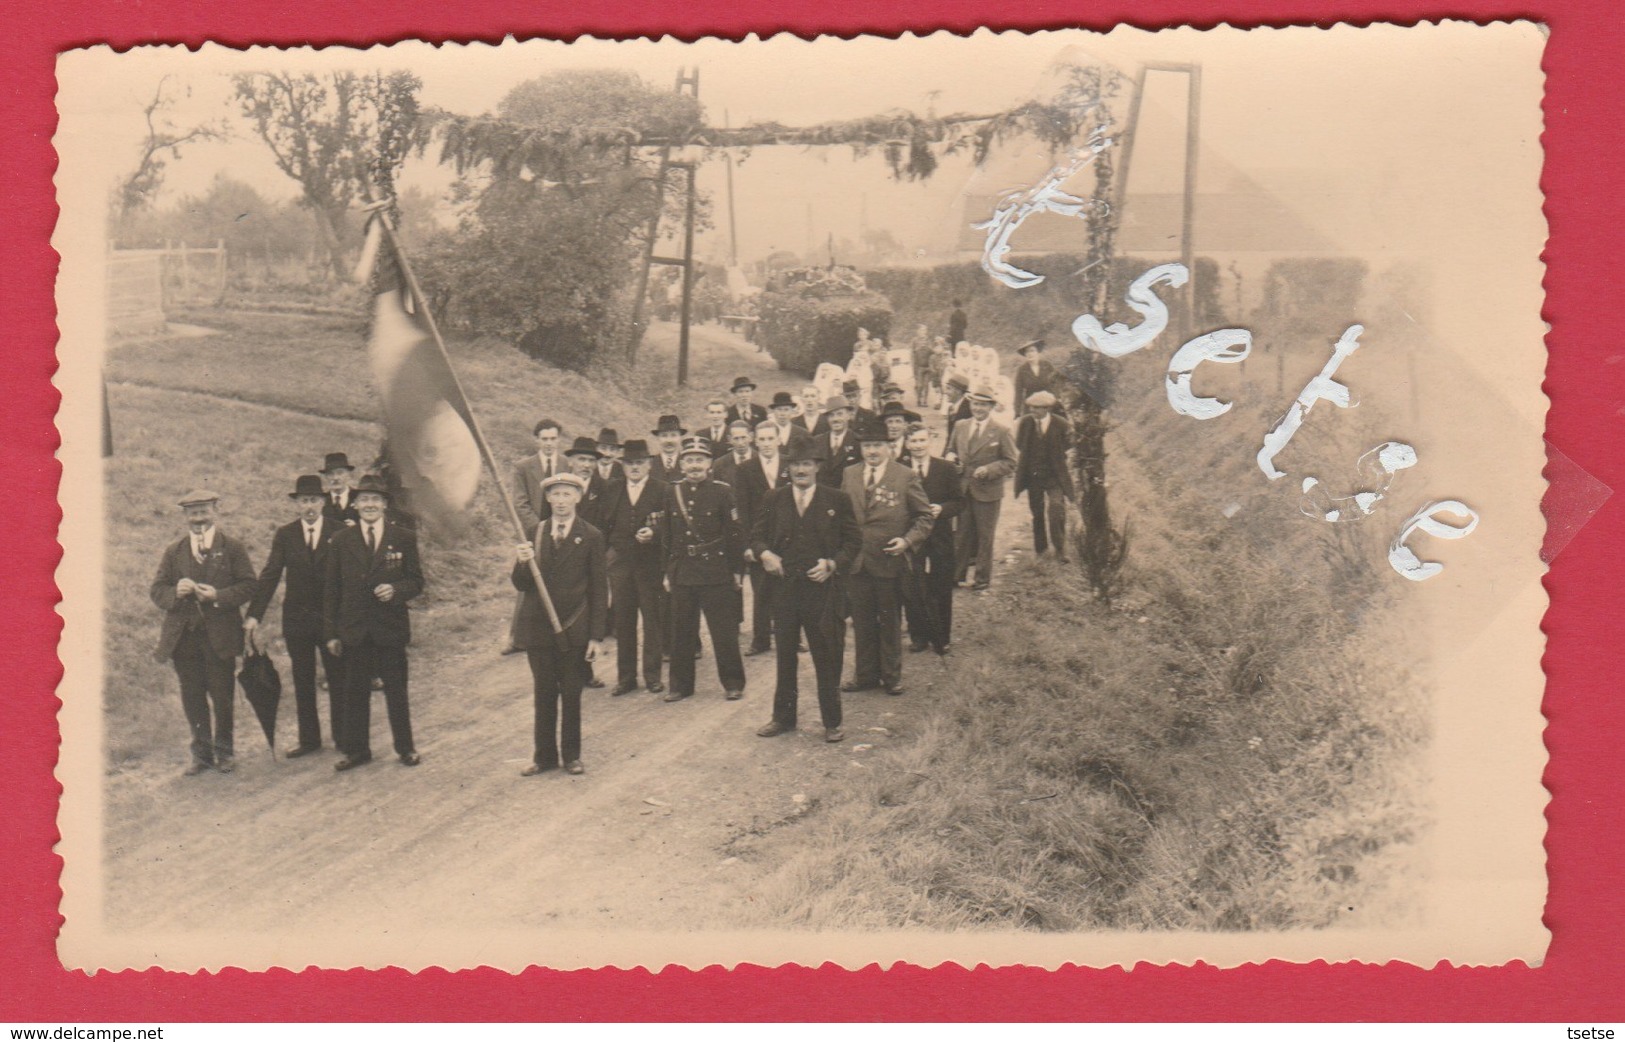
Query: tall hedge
x=812, y=315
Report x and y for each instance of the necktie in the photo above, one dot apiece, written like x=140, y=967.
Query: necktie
x=873, y=479
x=372, y=539
x=310, y=537
x=197, y=549
x=558, y=535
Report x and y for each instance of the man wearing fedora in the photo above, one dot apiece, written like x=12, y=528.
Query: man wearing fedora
x=743, y=389
x=570, y=553
x=635, y=571
x=299, y=549
x=372, y=572
x=986, y=453
x=752, y=481
x=669, y=433
x=839, y=444
x=204, y=578
x=337, y=475
x=609, y=454
x=705, y=564
x=894, y=518
x=1034, y=374
x=1041, y=441
x=806, y=538
x=852, y=391
x=896, y=417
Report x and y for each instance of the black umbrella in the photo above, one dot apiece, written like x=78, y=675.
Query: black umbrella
x=263, y=689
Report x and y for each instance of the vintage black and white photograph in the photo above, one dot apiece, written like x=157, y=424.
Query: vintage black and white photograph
x=1007, y=498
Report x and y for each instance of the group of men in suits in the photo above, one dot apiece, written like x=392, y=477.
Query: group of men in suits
x=350, y=567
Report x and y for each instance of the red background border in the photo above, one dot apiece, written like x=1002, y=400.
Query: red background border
x=1582, y=976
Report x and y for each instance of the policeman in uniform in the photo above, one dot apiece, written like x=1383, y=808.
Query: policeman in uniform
x=705, y=571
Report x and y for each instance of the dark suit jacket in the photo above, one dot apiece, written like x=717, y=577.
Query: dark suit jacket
x=1047, y=449
x=723, y=467
x=670, y=475
x=528, y=475
x=944, y=486
x=750, y=487
x=596, y=503
x=577, y=576
x=351, y=610
x=1027, y=382
x=226, y=568
x=718, y=437
x=302, y=603
x=336, y=514
x=758, y=414
x=827, y=531
x=624, y=520
x=832, y=471
x=897, y=507
x=995, y=449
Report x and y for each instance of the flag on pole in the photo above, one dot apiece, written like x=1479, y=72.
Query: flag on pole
x=430, y=427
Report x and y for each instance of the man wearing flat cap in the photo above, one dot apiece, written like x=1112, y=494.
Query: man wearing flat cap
x=337, y=476
x=806, y=538
x=204, y=578
x=372, y=572
x=705, y=570
x=299, y=549
x=1034, y=374
x=571, y=555
x=986, y=454
x=743, y=389
x=1042, y=439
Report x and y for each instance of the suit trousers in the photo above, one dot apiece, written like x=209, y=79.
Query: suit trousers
x=636, y=594
x=206, y=680
x=719, y=602
x=977, y=525
x=302, y=652
x=877, y=629
x=928, y=601
x=762, y=589
x=1048, y=504
x=557, y=677
x=363, y=661
x=803, y=606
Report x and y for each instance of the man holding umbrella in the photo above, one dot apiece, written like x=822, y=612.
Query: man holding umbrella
x=203, y=580
x=300, y=549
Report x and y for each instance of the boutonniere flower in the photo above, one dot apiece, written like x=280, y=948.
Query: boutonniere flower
x=577, y=540
x=831, y=513
x=350, y=521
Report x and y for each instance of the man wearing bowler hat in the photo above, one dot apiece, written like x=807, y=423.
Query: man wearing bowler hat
x=337, y=474
x=609, y=454
x=372, y=572
x=805, y=537
x=570, y=553
x=299, y=549
x=894, y=518
x=635, y=571
x=986, y=453
x=669, y=433
x=782, y=414
x=204, y=578
x=1034, y=374
x=705, y=566
x=743, y=408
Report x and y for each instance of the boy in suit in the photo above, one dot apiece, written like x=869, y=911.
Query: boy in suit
x=204, y=578
x=571, y=556
x=1042, y=440
x=300, y=548
x=930, y=608
x=894, y=518
x=372, y=572
x=806, y=537
x=986, y=453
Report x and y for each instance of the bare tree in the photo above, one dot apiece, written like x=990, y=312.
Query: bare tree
x=162, y=143
x=336, y=135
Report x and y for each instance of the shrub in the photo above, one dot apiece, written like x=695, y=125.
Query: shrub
x=812, y=315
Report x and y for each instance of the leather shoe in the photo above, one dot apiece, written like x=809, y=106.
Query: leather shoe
x=512, y=650
x=772, y=729
x=302, y=750
x=196, y=768
x=594, y=683
x=859, y=685
x=574, y=767
x=733, y=696
x=894, y=689
x=625, y=687
x=351, y=762
x=224, y=764
x=943, y=649
x=655, y=687
x=917, y=646
x=534, y=769
x=980, y=586
x=834, y=734
x=756, y=649
x=675, y=696
x=410, y=759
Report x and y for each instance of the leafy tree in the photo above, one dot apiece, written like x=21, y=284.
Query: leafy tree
x=341, y=136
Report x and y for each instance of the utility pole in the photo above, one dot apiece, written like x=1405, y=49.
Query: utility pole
x=733, y=224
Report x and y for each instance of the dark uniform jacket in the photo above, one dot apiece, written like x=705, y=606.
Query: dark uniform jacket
x=704, y=543
x=302, y=603
x=577, y=578
x=827, y=531
x=1043, y=456
x=226, y=568
x=896, y=507
x=351, y=610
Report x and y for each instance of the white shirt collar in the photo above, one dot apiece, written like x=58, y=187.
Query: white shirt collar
x=203, y=540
